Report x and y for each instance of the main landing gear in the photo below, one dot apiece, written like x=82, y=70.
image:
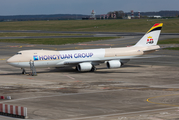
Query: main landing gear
x=93, y=68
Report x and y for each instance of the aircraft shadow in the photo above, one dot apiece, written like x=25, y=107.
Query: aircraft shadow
x=100, y=70
x=128, y=65
x=108, y=72
x=11, y=74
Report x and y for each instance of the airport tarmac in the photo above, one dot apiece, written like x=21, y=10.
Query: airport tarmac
x=143, y=89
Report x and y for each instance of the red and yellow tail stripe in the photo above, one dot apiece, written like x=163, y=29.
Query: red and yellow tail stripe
x=157, y=26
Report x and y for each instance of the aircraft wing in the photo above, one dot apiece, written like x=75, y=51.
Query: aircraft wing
x=98, y=61
x=74, y=62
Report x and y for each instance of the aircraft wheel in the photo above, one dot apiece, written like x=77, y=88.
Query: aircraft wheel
x=23, y=71
x=93, y=69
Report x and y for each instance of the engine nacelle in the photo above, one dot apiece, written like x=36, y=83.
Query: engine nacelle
x=113, y=64
x=84, y=67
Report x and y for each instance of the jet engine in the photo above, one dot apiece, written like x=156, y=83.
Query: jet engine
x=84, y=67
x=113, y=64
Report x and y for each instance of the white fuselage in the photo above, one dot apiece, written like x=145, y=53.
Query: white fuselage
x=48, y=58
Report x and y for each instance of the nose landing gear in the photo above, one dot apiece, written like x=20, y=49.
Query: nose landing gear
x=32, y=68
x=23, y=71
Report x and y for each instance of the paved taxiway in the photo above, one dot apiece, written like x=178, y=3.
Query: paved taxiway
x=142, y=89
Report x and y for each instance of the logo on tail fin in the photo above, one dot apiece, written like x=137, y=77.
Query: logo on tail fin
x=150, y=40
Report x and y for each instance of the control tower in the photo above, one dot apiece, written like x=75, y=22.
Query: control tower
x=93, y=15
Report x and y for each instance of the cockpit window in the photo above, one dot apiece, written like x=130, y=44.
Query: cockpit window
x=18, y=53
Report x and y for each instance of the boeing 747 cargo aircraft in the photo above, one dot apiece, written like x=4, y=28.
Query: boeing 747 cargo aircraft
x=86, y=60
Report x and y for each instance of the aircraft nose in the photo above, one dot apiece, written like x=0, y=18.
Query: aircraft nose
x=10, y=60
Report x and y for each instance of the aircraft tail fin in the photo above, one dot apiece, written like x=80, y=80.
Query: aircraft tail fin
x=151, y=37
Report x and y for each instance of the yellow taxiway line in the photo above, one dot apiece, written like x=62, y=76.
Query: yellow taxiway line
x=148, y=100
x=2, y=59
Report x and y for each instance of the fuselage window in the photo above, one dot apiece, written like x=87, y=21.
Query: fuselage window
x=18, y=53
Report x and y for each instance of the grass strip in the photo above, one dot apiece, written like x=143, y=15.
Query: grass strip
x=174, y=48
x=56, y=41
x=169, y=41
x=117, y=25
x=35, y=34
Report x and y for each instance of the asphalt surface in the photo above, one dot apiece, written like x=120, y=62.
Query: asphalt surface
x=143, y=89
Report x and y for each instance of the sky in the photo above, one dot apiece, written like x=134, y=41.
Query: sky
x=38, y=7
